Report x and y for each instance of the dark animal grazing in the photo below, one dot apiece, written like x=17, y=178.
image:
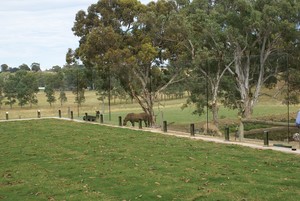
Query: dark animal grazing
x=133, y=117
x=91, y=117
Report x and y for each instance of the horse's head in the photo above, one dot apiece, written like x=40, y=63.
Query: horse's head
x=125, y=122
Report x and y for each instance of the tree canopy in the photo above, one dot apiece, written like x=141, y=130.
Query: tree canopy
x=237, y=47
x=128, y=40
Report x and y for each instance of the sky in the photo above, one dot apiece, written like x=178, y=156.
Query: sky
x=38, y=31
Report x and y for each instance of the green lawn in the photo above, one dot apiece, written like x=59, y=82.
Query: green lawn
x=64, y=160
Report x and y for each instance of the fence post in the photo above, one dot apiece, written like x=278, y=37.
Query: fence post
x=86, y=116
x=140, y=124
x=165, y=126
x=120, y=121
x=101, y=118
x=39, y=114
x=226, y=133
x=6, y=115
x=192, y=129
x=59, y=113
x=72, y=115
x=266, y=138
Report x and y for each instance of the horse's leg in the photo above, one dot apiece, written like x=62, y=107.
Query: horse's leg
x=132, y=123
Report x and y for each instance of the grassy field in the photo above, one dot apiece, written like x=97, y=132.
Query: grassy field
x=169, y=110
x=65, y=160
x=165, y=110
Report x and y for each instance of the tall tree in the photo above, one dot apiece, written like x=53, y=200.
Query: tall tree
x=50, y=94
x=56, y=68
x=125, y=38
x=246, y=38
x=76, y=79
x=62, y=97
x=210, y=53
x=263, y=28
x=24, y=67
x=4, y=67
x=52, y=82
x=10, y=91
x=35, y=67
x=26, y=88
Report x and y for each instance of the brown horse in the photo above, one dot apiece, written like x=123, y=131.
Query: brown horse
x=133, y=117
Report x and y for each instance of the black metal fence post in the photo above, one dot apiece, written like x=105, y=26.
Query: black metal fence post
x=101, y=118
x=120, y=121
x=72, y=117
x=192, y=129
x=39, y=114
x=226, y=133
x=266, y=138
x=6, y=115
x=165, y=126
x=59, y=113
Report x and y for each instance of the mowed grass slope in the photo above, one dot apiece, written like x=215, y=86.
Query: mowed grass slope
x=65, y=160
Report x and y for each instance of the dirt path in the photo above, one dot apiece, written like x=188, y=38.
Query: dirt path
x=255, y=144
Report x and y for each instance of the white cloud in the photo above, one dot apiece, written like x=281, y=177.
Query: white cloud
x=38, y=30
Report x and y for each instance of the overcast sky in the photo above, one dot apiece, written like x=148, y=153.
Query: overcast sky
x=38, y=31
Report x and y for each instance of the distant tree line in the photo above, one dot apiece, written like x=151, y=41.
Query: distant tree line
x=20, y=87
x=35, y=67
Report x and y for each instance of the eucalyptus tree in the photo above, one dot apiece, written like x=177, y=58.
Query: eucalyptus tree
x=211, y=55
x=24, y=67
x=26, y=87
x=62, y=97
x=50, y=94
x=245, y=38
x=292, y=80
x=21, y=86
x=4, y=67
x=75, y=78
x=52, y=82
x=35, y=67
x=9, y=89
x=292, y=75
x=261, y=28
x=56, y=68
x=127, y=40
x=59, y=83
